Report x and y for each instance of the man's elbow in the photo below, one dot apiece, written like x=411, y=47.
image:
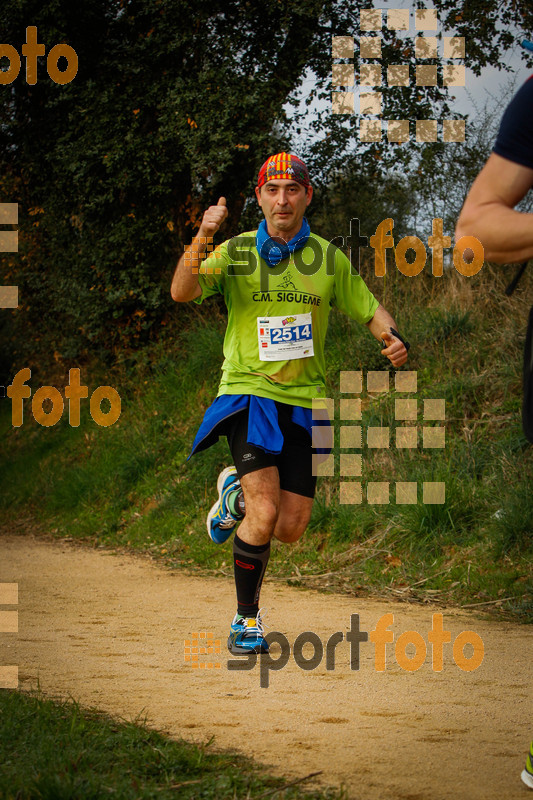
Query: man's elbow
x=178, y=296
x=466, y=225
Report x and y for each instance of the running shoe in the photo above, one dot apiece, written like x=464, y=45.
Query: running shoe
x=527, y=772
x=220, y=520
x=247, y=636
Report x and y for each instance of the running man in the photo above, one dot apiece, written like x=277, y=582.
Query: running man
x=506, y=235
x=488, y=212
x=278, y=284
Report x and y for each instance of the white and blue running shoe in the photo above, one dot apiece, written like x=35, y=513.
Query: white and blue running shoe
x=247, y=636
x=527, y=772
x=220, y=520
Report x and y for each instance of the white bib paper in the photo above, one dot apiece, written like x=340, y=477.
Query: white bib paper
x=285, y=338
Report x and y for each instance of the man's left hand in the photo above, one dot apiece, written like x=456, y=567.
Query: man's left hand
x=394, y=349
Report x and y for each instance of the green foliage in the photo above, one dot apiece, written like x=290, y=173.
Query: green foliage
x=450, y=322
x=487, y=25
x=512, y=524
x=371, y=198
x=429, y=527
x=174, y=104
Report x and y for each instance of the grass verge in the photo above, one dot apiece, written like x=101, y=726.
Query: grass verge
x=56, y=750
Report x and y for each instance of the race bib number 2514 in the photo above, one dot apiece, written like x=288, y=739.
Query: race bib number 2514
x=285, y=338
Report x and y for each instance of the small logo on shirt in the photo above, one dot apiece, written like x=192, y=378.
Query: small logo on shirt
x=286, y=282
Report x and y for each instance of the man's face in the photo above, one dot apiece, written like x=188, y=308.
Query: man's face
x=283, y=203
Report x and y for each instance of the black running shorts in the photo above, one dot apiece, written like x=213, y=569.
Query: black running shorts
x=294, y=463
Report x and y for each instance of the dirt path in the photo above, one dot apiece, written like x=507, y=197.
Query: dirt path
x=109, y=630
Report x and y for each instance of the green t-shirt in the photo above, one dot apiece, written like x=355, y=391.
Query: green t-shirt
x=278, y=316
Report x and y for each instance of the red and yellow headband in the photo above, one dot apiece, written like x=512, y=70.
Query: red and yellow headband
x=283, y=166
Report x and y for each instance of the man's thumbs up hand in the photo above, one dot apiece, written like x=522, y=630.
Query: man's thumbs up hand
x=213, y=218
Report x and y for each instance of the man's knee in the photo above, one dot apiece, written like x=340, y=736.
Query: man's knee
x=262, y=499
x=262, y=511
x=288, y=535
x=290, y=527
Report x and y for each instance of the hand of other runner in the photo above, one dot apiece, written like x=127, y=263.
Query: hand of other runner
x=213, y=218
x=394, y=350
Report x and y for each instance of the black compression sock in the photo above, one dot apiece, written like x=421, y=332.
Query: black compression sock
x=249, y=561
